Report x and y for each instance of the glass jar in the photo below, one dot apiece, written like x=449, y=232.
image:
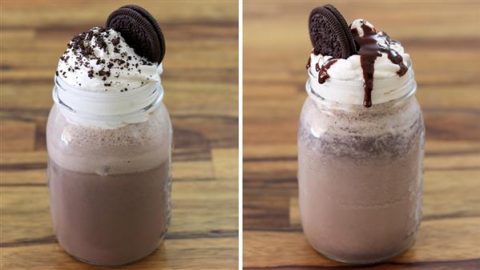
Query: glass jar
x=360, y=173
x=109, y=172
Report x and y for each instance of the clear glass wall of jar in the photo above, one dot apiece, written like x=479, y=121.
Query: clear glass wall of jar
x=360, y=176
x=109, y=172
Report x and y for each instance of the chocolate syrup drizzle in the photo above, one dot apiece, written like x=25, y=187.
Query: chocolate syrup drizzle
x=371, y=45
x=323, y=71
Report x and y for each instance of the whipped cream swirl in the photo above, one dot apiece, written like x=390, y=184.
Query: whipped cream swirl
x=100, y=60
x=343, y=80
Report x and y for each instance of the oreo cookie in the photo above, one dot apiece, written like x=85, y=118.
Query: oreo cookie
x=329, y=33
x=140, y=30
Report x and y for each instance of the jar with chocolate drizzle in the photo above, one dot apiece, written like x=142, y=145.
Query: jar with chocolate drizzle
x=360, y=143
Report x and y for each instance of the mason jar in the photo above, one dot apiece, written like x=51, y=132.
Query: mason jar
x=360, y=169
x=109, y=172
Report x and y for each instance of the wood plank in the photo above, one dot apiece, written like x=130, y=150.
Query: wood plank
x=24, y=13
x=225, y=167
x=285, y=167
x=440, y=200
x=289, y=151
x=25, y=210
x=17, y=136
x=172, y=254
x=438, y=240
x=29, y=169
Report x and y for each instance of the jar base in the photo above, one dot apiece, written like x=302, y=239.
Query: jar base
x=127, y=262
x=410, y=244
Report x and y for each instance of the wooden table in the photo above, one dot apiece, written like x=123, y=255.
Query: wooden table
x=443, y=40
x=201, y=94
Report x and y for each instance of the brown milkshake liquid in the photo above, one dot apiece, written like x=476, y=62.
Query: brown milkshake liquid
x=360, y=184
x=109, y=219
x=110, y=188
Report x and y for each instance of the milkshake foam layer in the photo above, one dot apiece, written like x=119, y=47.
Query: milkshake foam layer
x=101, y=60
x=132, y=148
x=344, y=80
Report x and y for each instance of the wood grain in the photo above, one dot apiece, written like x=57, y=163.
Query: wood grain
x=443, y=41
x=200, y=80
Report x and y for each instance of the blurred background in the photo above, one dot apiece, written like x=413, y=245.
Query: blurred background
x=201, y=93
x=443, y=40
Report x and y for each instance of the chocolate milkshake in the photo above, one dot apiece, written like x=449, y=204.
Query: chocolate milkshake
x=360, y=143
x=109, y=143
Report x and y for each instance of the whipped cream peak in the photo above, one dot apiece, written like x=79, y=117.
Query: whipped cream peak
x=359, y=24
x=376, y=74
x=100, y=60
